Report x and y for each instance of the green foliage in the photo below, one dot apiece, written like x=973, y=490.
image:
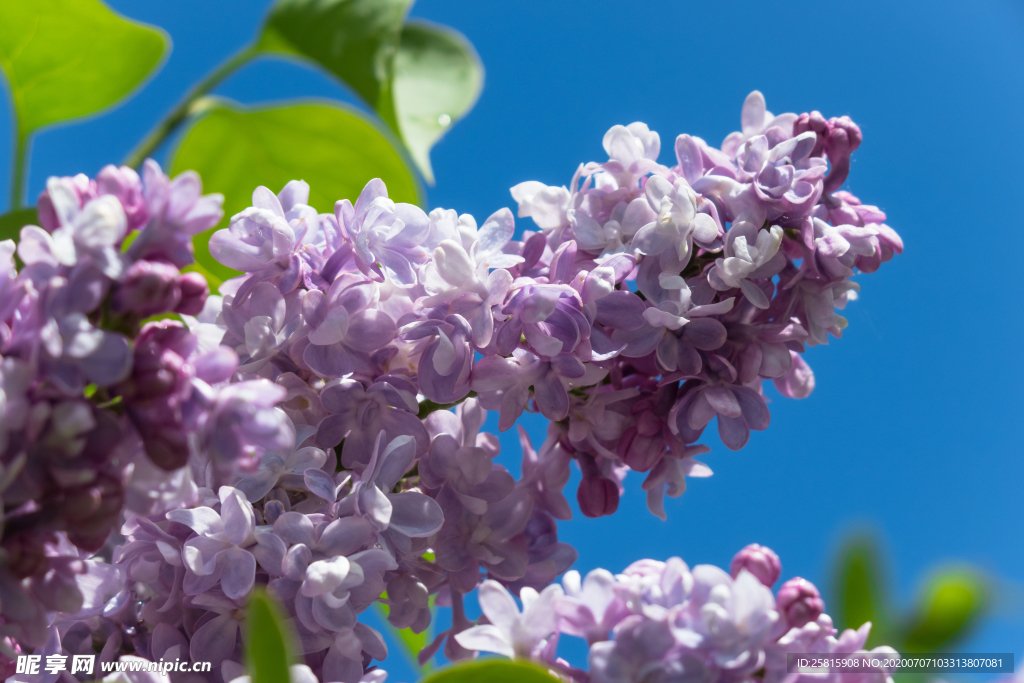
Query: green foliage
x=332, y=147
x=70, y=58
x=267, y=642
x=492, y=671
x=413, y=75
x=860, y=588
x=438, y=78
x=355, y=40
x=12, y=223
x=952, y=602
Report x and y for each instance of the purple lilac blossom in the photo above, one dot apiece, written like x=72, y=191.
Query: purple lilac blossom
x=664, y=621
x=297, y=430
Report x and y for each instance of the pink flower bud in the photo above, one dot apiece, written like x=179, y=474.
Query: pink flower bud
x=148, y=288
x=194, y=291
x=760, y=561
x=799, y=602
x=813, y=122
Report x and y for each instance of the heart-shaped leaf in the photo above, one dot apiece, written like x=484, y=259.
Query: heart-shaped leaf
x=332, y=147
x=421, y=78
x=355, y=40
x=492, y=671
x=70, y=58
x=438, y=78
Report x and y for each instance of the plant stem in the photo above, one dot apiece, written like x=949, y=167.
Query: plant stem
x=18, y=172
x=427, y=406
x=177, y=116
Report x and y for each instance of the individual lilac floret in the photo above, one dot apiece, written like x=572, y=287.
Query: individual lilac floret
x=759, y=560
x=750, y=254
x=526, y=634
x=243, y=421
x=459, y=273
x=358, y=414
x=460, y=457
x=678, y=222
x=217, y=555
x=345, y=328
x=756, y=120
x=386, y=237
x=398, y=517
x=178, y=210
x=590, y=608
x=282, y=470
x=267, y=234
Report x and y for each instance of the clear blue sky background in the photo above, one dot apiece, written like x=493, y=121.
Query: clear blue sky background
x=915, y=426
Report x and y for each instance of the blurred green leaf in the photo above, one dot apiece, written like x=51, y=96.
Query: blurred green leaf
x=438, y=78
x=355, y=40
x=332, y=147
x=12, y=223
x=860, y=591
x=492, y=671
x=70, y=58
x=414, y=642
x=267, y=647
x=953, y=601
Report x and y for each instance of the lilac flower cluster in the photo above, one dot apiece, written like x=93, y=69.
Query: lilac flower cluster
x=100, y=409
x=662, y=621
x=316, y=428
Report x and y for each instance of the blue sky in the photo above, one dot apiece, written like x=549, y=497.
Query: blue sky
x=914, y=428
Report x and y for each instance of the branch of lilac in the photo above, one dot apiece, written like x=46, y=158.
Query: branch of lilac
x=316, y=427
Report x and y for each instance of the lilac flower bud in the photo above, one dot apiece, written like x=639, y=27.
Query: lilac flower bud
x=194, y=290
x=148, y=288
x=597, y=495
x=816, y=123
x=799, y=602
x=759, y=560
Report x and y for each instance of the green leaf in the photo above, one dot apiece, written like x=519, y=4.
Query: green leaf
x=12, y=223
x=438, y=78
x=332, y=147
x=355, y=40
x=421, y=78
x=492, y=671
x=953, y=602
x=860, y=591
x=70, y=58
x=267, y=644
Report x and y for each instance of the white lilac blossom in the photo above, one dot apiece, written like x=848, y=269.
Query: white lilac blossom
x=664, y=621
x=316, y=428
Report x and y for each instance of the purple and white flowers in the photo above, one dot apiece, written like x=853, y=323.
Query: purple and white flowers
x=296, y=431
x=660, y=621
